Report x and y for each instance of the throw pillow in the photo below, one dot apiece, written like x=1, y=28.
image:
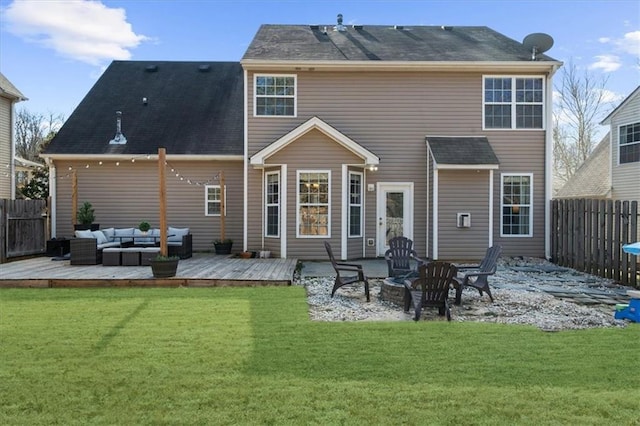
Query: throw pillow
x=177, y=234
x=84, y=234
x=98, y=235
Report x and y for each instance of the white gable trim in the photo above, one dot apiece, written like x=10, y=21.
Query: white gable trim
x=314, y=123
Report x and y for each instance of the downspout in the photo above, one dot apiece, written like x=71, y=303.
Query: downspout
x=245, y=177
x=549, y=162
x=12, y=154
x=53, y=197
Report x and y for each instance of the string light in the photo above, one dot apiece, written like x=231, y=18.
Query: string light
x=179, y=176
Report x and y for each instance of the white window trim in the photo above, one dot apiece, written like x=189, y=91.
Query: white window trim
x=627, y=144
x=349, y=204
x=530, y=234
x=267, y=205
x=206, y=200
x=298, y=235
x=295, y=95
x=514, y=103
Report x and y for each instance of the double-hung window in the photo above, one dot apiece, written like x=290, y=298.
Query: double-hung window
x=355, y=204
x=517, y=213
x=313, y=210
x=212, y=200
x=272, y=207
x=513, y=102
x=275, y=95
x=630, y=143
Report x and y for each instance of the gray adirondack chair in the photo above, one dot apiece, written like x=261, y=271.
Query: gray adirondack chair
x=478, y=276
x=430, y=289
x=340, y=267
x=402, y=259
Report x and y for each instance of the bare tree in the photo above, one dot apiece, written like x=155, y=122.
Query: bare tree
x=577, y=113
x=33, y=133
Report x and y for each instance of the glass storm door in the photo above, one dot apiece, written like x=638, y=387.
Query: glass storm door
x=394, y=208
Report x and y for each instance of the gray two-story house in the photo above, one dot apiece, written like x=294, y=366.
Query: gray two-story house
x=327, y=132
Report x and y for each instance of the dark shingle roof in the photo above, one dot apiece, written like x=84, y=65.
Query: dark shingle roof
x=192, y=108
x=463, y=151
x=385, y=43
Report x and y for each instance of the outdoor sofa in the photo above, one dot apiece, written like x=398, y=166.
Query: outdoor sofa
x=87, y=246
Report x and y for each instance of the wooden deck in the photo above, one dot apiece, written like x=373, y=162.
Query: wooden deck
x=202, y=270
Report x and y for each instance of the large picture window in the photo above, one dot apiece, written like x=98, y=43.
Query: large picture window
x=513, y=102
x=212, y=200
x=272, y=207
x=313, y=204
x=630, y=143
x=355, y=204
x=275, y=95
x=517, y=195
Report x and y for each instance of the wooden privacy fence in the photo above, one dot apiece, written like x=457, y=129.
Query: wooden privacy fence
x=588, y=235
x=23, y=228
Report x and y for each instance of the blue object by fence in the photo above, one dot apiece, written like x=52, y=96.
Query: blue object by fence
x=632, y=312
x=633, y=248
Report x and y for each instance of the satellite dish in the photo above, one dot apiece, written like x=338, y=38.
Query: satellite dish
x=537, y=43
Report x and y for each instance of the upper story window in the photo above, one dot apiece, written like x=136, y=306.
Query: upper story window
x=272, y=205
x=213, y=200
x=313, y=204
x=517, y=214
x=513, y=103
x=630, y=143
x=275, y=95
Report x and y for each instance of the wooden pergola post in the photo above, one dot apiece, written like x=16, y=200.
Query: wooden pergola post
x=162, y=154
x=74, y=197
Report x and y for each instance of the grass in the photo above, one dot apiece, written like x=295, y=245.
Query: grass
x=251, y=356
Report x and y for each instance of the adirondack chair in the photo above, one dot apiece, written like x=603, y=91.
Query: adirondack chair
x=341, y=267
x=402, y=259
x=477, y=276
x=430, y=289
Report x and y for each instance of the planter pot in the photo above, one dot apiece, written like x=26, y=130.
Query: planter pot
x=83, y=227
x=164, y=268
x=246, y=255
x=222, y=248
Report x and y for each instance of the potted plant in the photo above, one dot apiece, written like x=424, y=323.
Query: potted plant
x=85, y=218
x=144, y=227
x=223, y=246
x=164, y=266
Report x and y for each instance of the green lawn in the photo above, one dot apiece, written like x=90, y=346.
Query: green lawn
x=251, y=356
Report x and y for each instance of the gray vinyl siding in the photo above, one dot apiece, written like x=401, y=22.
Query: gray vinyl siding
x=124, y=195
x=313, y=151
x=463, y=191
x=625, y=178
x=5, y=148
x=390, y=113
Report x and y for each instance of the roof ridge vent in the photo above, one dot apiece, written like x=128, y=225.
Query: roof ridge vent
x=340, y=27
x=151, y=68
x=357, y=27
x=447, y=27
x=119, y=138
x=314, y=27
x=204, y=68
x=398, y=27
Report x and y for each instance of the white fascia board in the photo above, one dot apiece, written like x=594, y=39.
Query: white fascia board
x=370, y=159
x=467, y=166
x=139, y=157
x=477, y=66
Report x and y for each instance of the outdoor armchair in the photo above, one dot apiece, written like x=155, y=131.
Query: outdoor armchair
x=402, y=259
x=478, y=276
x=341, y=267
x=430, y=289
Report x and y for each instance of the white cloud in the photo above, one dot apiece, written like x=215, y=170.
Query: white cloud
x=606, y=63
x=630, y=43
x=86, y=31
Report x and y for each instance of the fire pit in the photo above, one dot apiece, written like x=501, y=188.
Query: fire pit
x=392, y=290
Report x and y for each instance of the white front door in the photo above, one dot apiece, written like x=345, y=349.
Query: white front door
x=395, y=213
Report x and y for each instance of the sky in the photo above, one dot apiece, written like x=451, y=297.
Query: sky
x=54, y=51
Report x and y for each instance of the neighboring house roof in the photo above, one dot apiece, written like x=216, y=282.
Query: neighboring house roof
x=607, y=119
x=21, y=162
x=462, y=152
x=592, y=179
x=8, y=90
x=189, y=108
x=314, y=123
x=385, y=43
